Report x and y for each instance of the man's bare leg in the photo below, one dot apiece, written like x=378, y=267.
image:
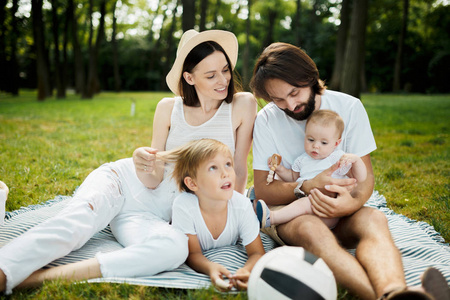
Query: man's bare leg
x=368, y=230
x=82, y=270
x=312, y=234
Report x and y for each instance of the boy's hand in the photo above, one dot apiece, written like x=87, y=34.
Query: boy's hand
x=240, y=279
x=216, y=275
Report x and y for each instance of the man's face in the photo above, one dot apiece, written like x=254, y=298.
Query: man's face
x=297, y=102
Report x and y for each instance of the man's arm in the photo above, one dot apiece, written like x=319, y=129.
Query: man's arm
x=346, y=202
x=276, y=193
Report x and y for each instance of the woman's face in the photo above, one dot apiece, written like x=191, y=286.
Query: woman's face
x=210, y=77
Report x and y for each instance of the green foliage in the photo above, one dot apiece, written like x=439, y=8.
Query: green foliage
x=49, y=148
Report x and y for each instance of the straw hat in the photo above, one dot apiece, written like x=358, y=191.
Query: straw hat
x=192, y=38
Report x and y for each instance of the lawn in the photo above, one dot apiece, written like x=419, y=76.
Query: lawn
x=48, y=148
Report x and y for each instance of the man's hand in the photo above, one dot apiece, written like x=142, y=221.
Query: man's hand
x=325, y=179
x=332, y=207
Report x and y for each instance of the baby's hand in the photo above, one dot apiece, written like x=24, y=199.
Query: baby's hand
x=274, y=161
x=347, y=159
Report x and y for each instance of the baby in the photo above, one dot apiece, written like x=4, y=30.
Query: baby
x=323, y=133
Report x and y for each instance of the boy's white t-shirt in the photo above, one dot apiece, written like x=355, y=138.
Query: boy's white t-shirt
x=242, y=223
x=275, y=132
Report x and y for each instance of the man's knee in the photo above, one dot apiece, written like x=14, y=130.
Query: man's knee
x=373, y=218
x=304, y=231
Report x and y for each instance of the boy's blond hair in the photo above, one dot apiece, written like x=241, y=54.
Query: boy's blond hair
x=326, y=117
x=188, y=157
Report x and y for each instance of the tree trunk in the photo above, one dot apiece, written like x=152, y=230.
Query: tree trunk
x=203, y=10
x=93, y=85
x=64, y=56
x=3, y=61
x=77, y=55
x=296, y=22
x=60, y=91
x=14, y=88
x=246, y=59
x=401, y=40
x=117, y=80
x=354, y=54
x=311, y=32
x=43, y=74
x=188, y=18
x=272, y=15
x=168, y=62
x=216, y=12
x=340, y=45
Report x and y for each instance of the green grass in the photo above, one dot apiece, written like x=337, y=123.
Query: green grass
x=48, y=148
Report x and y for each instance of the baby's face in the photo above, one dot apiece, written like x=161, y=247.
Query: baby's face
x=320, y=140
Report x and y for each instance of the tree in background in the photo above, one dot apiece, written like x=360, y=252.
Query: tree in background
x=401, y=42
x=354, y=50
x=341, y=42
x=42, y=60
x=139, y=38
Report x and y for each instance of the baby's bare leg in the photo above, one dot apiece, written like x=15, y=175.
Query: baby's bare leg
x=295, y=209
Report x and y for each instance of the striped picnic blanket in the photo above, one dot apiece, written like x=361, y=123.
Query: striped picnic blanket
x=421, y=246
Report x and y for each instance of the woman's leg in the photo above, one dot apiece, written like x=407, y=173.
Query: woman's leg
x=82, y=270
x=151, y=246
x=96, y=202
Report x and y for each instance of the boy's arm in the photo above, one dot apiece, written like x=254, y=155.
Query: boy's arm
x=254, y=252
x=197, y=261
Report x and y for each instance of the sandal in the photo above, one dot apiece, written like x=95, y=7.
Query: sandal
x=435, y=284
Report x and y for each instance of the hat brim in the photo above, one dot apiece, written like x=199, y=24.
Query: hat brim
x=225, y=39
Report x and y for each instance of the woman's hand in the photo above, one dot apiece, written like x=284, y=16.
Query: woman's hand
x=144, y=159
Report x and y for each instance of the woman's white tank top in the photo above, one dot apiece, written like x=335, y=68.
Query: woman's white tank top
x=219, y=127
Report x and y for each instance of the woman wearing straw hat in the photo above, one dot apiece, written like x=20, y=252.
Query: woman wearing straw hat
x=135, y=197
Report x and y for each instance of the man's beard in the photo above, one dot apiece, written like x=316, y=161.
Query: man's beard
x=306, y=112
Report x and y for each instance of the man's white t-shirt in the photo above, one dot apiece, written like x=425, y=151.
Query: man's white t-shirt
x=276, y=132
x=242, y=223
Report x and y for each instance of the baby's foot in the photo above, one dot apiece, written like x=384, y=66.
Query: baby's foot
x=263, y=214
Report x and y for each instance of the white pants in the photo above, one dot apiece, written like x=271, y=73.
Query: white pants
x=151, y=244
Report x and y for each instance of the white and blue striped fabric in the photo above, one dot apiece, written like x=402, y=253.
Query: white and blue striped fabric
x=421, y=246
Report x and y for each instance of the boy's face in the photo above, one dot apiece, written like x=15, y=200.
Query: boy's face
x=320, y=141
x=215, y=178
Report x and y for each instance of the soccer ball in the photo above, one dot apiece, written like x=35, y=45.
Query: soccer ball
x=291, y=273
